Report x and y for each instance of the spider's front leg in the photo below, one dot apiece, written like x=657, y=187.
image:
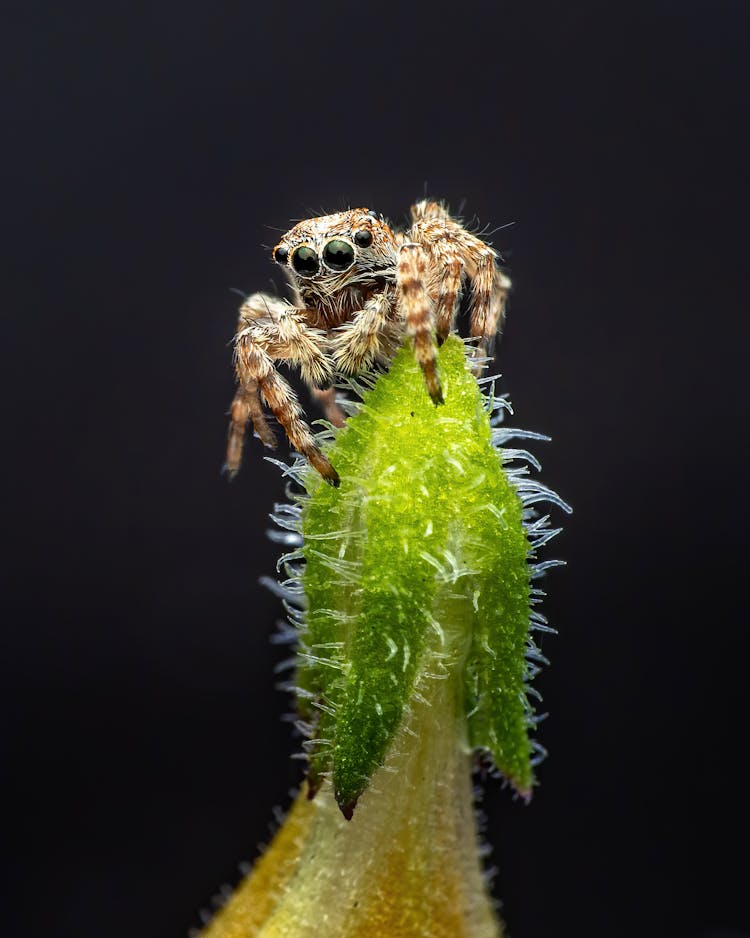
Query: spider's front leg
x=417, y=309
x=370, y=336
x=269, y=331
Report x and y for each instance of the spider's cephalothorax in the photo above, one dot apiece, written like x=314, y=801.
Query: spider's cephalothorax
x=359, y=289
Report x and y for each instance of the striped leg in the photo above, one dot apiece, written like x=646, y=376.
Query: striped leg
x=416, y=309
x=254, y=364
x=490, y=290
x=267, y=333
x=246, y=407
x=371, y=336
x=446, y=308
x=450, y=244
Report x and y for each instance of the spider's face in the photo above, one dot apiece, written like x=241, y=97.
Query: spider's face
x=334, y=251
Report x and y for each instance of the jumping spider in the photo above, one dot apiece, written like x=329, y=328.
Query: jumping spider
x=359, y=289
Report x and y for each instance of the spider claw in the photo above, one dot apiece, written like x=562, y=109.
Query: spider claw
x=318, y=461
x=330, y=474
x=435, y=390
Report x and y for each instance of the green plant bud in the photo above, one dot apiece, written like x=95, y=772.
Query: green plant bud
x=418, y=568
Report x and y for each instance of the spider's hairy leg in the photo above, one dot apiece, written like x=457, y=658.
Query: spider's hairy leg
x=269, y=328
x=290, y=338
x=416, y=309
x=368, y=337
x=246, y=406
x=281, y=330
x=448, y=240
x=255, y=364
x=445, y=240
x=500, y=290
x=482, y=260
x=446, y=308
x=488, y=308
x=426, y=209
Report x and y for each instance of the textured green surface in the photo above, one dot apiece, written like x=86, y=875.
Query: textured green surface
x=421, y=549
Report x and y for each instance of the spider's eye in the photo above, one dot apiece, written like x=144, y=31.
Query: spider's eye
x=363, y=238
x=338, y=255
x=305, y=261
x=281, y=254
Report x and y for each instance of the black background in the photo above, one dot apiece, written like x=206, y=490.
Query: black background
x=150, y=152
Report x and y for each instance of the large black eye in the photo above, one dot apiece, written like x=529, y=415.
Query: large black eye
x=363, y=238
x=305, y=261
x=338, y=255
x=281, y=254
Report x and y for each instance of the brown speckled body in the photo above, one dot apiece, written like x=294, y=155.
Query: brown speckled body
x=359, y=288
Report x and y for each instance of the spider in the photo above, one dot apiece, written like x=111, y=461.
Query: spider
x=359, y=288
